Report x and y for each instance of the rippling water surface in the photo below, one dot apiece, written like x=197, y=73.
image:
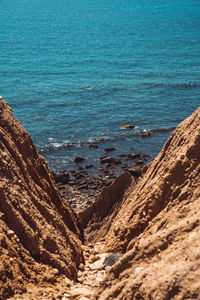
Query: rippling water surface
x=76, y=71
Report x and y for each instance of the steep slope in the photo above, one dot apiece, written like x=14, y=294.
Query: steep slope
x=37, y=229
x=98, y=217
x=158, y=225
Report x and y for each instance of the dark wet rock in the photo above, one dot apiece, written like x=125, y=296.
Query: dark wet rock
x=93, y=146
x=79, y=175
x=62, y=177
x=107, y=159
x=106, y=171
x=112, y=259
x=123, y=155
x=135, y=172
x=80, y=168
x=73, y=171
x=107, y=165
x=125, y=167
x=72, y=182
x=109, y=149
x=83, y=186
x=139, y=162
x=89, y=166
x=79, y=159
x=133, y=155
x=118, y=162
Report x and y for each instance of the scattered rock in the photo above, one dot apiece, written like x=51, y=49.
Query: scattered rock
x=81, y=291
x=89, y=166
x=79, y=159
x=139, y=162
x=81, y=267
x=135, y=172
x=133, y=155
x=68, y=282
x=107, y=159
x=10, y=233
x=93, y=146
x=109, y=149
x=129, y=126
x=145, y=134
x=62, y=177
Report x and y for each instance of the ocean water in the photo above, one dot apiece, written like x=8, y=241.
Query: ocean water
x=76, y=71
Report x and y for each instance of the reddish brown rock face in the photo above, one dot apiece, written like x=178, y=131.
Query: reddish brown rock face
x=144, y=232
x=37, y=229
x=158, y=226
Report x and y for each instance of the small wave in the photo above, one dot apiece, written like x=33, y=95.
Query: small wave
x=138, y=131
x=186, y=85
x=183, y=85
x=67, y=145
x=161, y=130
x=59, y=146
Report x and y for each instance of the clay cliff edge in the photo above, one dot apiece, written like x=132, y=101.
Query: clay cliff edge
x=158, y=225
x=37, y=229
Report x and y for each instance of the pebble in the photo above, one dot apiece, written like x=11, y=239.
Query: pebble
x=68, y=282
x=66, y=295
x=10, y=233
x=55, y=271
x=81, y=267
x=81, y=291
x=138, y=270
x=81, y=279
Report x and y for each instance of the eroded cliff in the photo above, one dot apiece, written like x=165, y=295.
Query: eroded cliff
x=144, y=234
x=158, y=225
x=38, y=230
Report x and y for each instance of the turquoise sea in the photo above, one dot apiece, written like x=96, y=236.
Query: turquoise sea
x=76, y=71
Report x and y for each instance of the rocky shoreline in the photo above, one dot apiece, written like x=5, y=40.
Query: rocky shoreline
x=80, y=187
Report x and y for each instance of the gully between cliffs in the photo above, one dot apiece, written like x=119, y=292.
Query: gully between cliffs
x=142, y=233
